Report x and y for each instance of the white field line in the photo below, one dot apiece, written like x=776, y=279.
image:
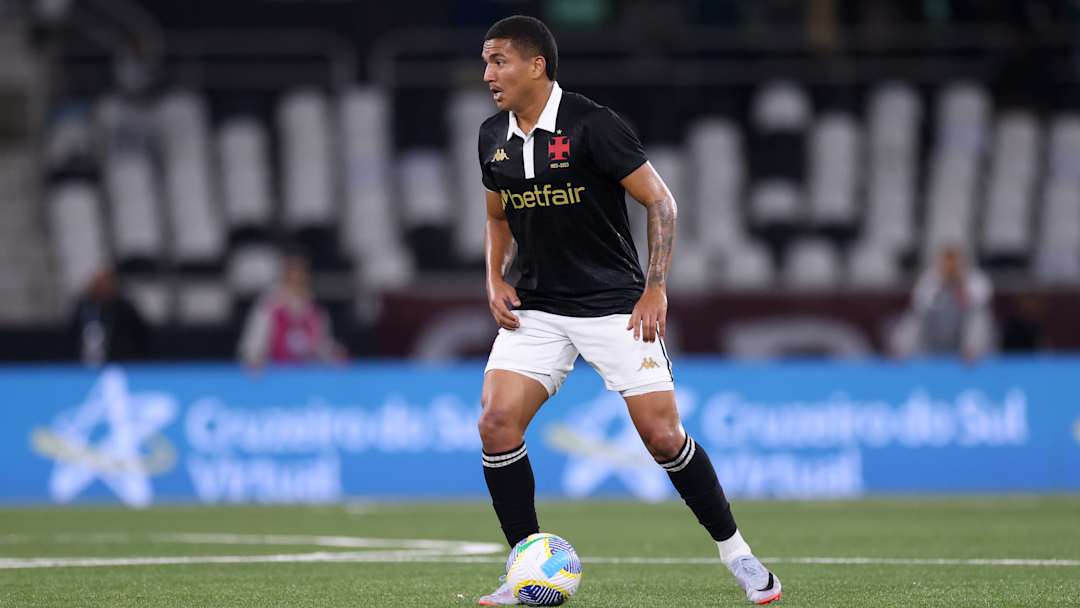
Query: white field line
x=420, y=551
x=316, y=557
x=441, y=547
x=412, y=556
x=843, y=561
x=447, y=547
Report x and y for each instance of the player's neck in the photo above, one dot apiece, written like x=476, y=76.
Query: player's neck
x=530, y=114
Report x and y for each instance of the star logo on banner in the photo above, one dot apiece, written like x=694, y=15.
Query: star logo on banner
x=602, y=442
x=113, y=435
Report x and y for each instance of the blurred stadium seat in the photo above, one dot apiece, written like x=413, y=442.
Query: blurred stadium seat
x=76, y=221
x=243, y=154
x=198, y=231
x=812, y=264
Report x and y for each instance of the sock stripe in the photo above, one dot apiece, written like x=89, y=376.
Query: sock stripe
x=683, y=459
x=505, y=463
x=505, y=459
x=682, y=453
x=496, y=456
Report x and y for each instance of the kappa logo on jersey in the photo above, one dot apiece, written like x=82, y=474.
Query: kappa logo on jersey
x=648, y=363
x=542, y=197
x=559, y=151
x=500, y=154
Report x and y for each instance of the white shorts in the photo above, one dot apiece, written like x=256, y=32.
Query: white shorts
x=545, y=346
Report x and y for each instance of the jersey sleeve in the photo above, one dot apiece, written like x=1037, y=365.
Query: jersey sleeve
x=615, y=148
x=485, y=167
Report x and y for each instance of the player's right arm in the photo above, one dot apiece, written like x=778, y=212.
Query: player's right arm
x=498, y=254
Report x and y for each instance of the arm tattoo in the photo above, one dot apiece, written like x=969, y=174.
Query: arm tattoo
x=661, y=240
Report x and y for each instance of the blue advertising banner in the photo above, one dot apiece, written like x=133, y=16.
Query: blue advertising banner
x=145, y=434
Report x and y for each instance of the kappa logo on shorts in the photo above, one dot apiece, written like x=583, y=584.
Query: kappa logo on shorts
x=648, y=363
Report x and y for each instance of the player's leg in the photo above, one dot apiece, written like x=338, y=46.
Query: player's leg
x=641, y=372
x=510, y=401
x=657, y=421
x=656, y=418
x=526, y=366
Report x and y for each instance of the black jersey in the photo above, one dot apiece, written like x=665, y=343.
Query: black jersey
x=568, y=214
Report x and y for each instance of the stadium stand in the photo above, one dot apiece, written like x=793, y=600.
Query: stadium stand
x=812, y=264
x=1006, y=228
x=79, y=236
x=198, y=239
x=982, y=182
x=243, y=152
x=719, y=176
x=467, y=108
x=1059, y=243
x=794, y=172
x=894, y=119
x=750, y=267
x=781, y=116
x=373, y=235
x=834, y=161
x=872, y=265
x=812, y=211
x=426, y=208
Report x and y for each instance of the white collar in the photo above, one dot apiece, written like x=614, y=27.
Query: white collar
x=547, y=117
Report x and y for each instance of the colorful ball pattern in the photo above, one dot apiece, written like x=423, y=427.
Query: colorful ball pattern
x=543, y=570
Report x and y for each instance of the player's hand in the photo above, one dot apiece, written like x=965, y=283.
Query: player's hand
x=501, y=298
x=649, y=318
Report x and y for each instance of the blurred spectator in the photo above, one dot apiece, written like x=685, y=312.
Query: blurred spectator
x=106, y=325
x=287, y=325
x=951, y=309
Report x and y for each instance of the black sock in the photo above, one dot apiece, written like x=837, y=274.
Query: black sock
x=510, y=482
x=693, y=475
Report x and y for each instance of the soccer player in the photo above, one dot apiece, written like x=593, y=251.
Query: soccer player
x=556, y=166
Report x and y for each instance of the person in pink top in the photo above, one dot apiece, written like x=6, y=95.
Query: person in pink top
x=286, y=325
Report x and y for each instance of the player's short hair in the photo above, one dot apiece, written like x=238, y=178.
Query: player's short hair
x=528, y=34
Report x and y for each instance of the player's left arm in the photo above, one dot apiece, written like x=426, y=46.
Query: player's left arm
x=649, y=318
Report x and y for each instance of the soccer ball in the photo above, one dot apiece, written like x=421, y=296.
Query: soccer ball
x=543, y=570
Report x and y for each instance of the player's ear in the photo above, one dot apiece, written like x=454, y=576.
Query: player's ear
x=539, y=66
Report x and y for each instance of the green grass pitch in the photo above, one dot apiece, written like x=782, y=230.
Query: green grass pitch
x=310, y=556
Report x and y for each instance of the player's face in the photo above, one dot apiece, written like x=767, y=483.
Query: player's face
x=508, y=72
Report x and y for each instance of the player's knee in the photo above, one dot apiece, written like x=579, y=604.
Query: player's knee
x=498, y=428
x=663, y=443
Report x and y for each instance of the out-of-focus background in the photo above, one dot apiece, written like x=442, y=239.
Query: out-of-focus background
x=823, y=153
x=254, y=229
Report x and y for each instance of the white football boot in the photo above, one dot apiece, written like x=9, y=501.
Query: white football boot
x=761, y=586
x=503, y=596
